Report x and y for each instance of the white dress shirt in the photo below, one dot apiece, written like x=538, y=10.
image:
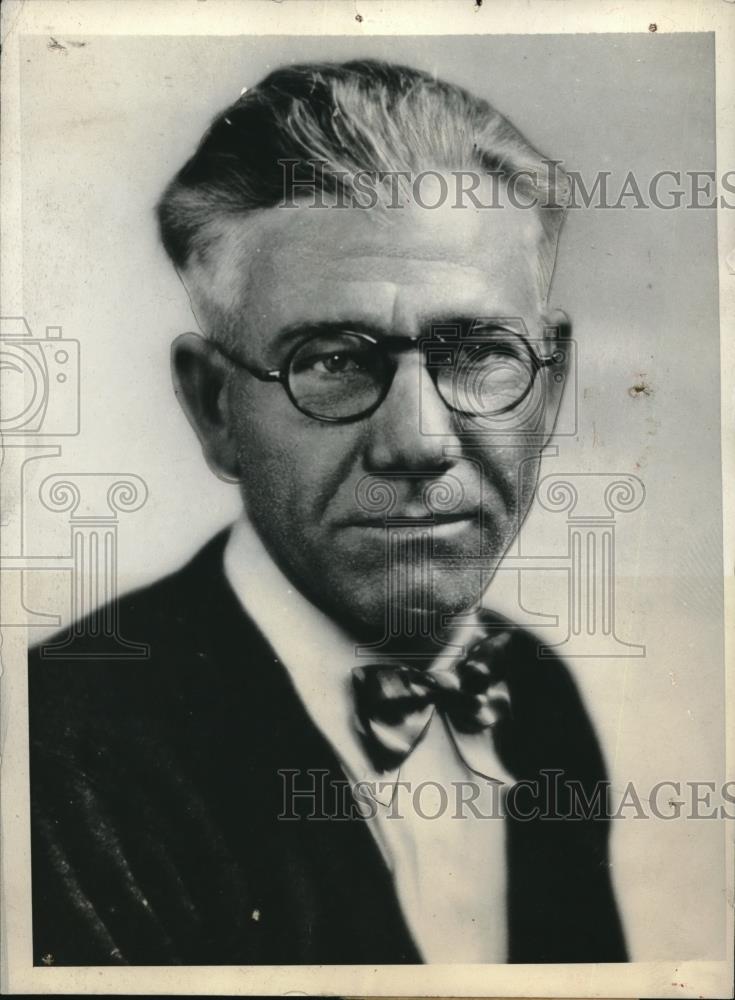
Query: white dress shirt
x=447, y=859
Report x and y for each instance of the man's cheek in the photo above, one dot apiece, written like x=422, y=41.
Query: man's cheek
x=515, y=468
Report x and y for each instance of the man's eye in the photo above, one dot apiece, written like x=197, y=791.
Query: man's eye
x=336, y=364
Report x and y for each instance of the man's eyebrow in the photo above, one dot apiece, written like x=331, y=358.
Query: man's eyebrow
x=501, y=320
x=303, y=329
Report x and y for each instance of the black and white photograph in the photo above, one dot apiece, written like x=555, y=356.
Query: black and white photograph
x=367, y=453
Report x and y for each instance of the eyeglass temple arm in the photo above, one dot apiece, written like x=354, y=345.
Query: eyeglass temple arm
x=264, y=375
x=557, y=327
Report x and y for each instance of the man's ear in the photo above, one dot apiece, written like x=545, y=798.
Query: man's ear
x=557, y=333
x=199, y=375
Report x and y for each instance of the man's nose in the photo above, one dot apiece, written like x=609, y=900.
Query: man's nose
x=413, y=427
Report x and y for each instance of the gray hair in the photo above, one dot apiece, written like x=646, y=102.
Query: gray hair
x=350, y=118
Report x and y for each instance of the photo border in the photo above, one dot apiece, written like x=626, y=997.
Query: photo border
x=355, y=18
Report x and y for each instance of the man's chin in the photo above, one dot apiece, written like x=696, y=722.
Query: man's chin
x=371, y=612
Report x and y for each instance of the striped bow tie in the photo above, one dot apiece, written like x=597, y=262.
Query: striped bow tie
x=395, y=704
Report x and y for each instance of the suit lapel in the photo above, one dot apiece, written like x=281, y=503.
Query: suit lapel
x=324, y=892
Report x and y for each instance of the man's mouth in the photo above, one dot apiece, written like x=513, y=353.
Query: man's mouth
x=415, y=519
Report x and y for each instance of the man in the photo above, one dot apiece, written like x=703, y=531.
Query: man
x=379, y=377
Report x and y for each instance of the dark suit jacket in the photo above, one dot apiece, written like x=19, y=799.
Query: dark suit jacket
x=156, y=794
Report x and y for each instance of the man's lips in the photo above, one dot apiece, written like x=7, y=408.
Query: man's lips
x=420, y=518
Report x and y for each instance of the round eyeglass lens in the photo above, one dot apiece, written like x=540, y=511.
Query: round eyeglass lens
x=486, y=378
x=336, y=376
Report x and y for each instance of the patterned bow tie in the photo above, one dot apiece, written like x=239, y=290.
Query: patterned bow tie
x=395, y=704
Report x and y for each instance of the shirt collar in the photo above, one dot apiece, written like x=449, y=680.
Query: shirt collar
x=318, y=654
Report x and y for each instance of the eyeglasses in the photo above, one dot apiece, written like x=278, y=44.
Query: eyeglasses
x=343, y=376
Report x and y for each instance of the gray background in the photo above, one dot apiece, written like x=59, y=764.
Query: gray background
x=107, y=123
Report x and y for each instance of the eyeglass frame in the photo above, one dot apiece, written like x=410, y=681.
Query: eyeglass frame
x=387, y=345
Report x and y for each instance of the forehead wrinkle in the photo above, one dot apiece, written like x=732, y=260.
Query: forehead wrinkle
x=418, y=252
x=429, y=272
x=472, y=262
x=470, y=274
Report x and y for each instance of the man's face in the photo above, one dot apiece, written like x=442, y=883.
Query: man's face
x=304, y=481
